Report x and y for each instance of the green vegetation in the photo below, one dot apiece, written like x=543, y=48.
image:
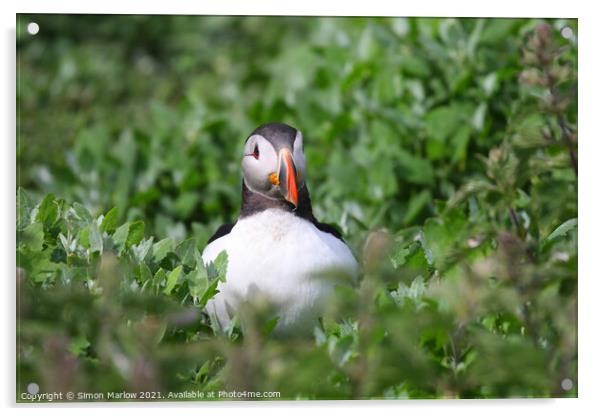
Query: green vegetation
x=444, y=149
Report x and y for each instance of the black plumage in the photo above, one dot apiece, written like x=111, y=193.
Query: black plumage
x=279, y=134
x=253, y=202
x=221, y=231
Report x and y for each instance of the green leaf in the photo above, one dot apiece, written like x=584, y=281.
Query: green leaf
x=198, y=283
x=47, y=212
x=202, y=371
x=497, y=30
x=218, y=268
x=185, y=203
x=401, y=256
x=523, y=199
x=128, y=235
x=144, y=275
x=216, y=272
x=161, y=248
x=415, y=169
x=159, y=279
x=172, y=280
x=109, y=222
x=478, y=119
x=83, y=237
x=25, y=205
x=90, y=238
x=141, y=250
x=79, y=346
x=81, y=212
x=209, y=293
x=459, y=143
x=416, y=205
x=37, y=264
x=490, y=83
x=441, y=122
x=135, y=233
x=562, y=229
x=415, y=66
x=96, y=244
x=121, y=234
x=33, y=236
x=186, y=252
x=414, y=292
x=268, y=326
x=443, y=237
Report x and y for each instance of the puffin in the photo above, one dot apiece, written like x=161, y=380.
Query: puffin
x=276, y=248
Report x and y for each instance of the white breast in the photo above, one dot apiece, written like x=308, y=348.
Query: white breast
x=285, y=258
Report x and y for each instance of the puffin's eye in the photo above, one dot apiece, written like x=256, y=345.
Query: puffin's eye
x=256, y=151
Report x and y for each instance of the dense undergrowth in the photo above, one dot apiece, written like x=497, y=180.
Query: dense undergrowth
x=444, y=149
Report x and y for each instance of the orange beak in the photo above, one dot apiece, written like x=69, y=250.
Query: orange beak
x=287, y=176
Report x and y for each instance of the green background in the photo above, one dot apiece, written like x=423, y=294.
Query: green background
x=444, y=150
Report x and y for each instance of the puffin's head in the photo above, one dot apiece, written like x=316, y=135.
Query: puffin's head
x=273, y=163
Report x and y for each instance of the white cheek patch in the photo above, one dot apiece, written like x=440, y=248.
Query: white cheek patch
x=257, y=171
x=299, y=157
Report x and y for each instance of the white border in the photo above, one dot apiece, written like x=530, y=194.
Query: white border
x=506, y=8
x=590, y=213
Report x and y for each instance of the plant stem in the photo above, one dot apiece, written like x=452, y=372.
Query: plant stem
x=567, y=140
x=516, y=222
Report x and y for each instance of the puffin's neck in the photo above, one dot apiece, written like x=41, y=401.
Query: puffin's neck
x=253, y=202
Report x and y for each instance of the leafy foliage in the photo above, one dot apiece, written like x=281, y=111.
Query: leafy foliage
x=445, y=149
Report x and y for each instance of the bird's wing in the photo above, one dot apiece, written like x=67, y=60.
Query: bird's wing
x=330, y=229
x=217, y=243
x=223, y=230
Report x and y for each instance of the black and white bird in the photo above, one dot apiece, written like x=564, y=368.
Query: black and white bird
x=277, y=248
